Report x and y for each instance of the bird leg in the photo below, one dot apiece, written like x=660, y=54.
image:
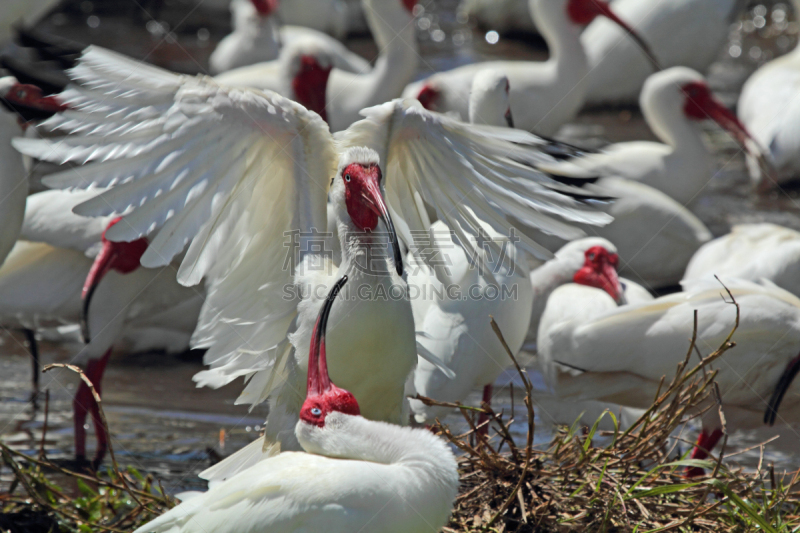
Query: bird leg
x=705, y=443
x=487, y=399
x=82, y=404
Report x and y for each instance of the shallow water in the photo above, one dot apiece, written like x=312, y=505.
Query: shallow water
x=161, y=423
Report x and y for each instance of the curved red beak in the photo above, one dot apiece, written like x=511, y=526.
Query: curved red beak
x=372, y=195
x=701, y=104
x=121, y=256
x=319, y=381
x=102, y=264
x=582, y=11
x=600, y=271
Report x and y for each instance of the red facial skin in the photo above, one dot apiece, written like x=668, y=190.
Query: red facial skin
x=583, y=12
x=409, y=5
x=310, y=84
x=700, y=104
x=30, y=104
x=123, y=257
x=362, y=195
x=322, y=396
x=600, y=271
x=428, y=97
x=265, y=8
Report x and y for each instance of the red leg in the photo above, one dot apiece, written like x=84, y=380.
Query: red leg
x=84, y=401
x=487, y=399
x=705, y=443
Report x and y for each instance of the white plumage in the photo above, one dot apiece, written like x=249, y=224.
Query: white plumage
x=241, y=176
x=353, y=85
x=770, y=108
x=752, y=252
x=592, y=349
x=544, y=95
x=454, y=299
x=686, y=33
x=674, y=103
x=356, y=474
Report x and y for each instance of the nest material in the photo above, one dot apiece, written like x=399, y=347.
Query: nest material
x=628, y=485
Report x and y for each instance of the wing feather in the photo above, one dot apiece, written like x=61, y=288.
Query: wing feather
x=226, y=174
x=468, y=175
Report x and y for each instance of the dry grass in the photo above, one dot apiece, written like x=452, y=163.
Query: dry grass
x=628, y=485
x=111, y=500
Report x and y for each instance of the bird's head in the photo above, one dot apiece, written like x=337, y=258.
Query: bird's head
x=359, y=186
x=593, y=261
x=28, y=101
x=489, y=101
x=583, y=12
x=322, y=396
x=681, y=90
x=265, y=8
x=123, y=257
x=599, y=270
x=429, y=96
x=309, y=69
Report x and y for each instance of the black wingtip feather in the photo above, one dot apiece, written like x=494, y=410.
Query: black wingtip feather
x=50, y=79
x=49, y=46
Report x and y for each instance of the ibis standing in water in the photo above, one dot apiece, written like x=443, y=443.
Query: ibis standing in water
x=353, y=474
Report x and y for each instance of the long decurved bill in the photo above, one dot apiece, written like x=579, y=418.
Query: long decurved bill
x=612, y=285
x=319, y=382
x=373, y=197
x=605, y=10
x=731, y=123
x=102, y=264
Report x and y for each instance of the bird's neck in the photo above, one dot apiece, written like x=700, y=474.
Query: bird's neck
x=394, y=31
x=365, y=253
x=563, y=39
x=673, y=128
x=546, y=279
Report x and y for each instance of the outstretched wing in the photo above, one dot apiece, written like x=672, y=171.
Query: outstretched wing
x=233, y=173
x=466, y=173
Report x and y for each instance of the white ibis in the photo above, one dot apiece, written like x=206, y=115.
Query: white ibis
x=770, y=108
x=348, y=92
x=355, y=474
x=544, y=95
x=593, y=349
x=255, y=37
x=591, y=261
x=674, y=102
x=41, y=280
x=245, y=178
x=753, y=252
x=686, y=33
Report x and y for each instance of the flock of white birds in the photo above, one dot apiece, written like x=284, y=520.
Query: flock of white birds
x=338, y=232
